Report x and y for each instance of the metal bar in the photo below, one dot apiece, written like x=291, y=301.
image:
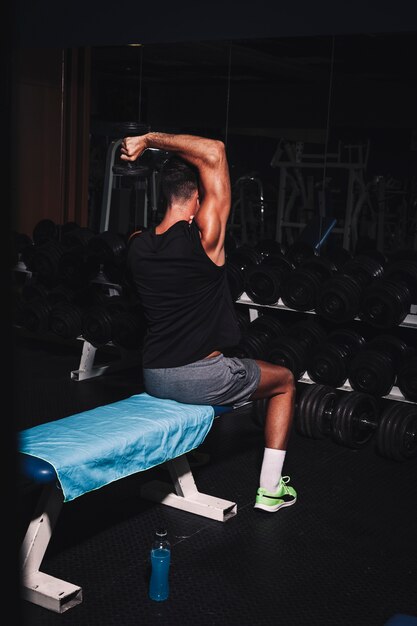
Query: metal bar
x=108, y=185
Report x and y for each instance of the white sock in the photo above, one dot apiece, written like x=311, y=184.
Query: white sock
x=271, y=469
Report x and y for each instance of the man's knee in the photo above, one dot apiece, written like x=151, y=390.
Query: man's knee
x=285, y=381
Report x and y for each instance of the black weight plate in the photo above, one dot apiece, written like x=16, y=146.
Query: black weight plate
x=371, y=372
x=385, y=305
x=407, y=379
x=355, y=419
x=263, y=284
x=339, y=299
x=299, y=290
x=328, y=366
x=309, y=332
x=314, y=406
x=396, y=436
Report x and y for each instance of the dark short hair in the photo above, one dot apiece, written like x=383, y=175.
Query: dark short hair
x=179, y=179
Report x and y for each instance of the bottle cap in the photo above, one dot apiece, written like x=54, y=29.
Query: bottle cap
x=161, y=532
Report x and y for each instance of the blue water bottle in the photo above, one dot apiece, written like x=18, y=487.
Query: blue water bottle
x=160, y=562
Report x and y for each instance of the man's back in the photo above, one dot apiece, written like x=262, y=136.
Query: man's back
x=184, y=294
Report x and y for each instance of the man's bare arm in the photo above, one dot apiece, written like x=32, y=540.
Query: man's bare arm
x=209, y=157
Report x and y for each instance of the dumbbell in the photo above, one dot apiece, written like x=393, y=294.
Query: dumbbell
x=99, y=319
x=293, y=348
x=407, y=379
x=374, y=368
x=263, y=281
x=110, y=249
x=387, y=302
x=340, y=297
x=300, y=288
x=299, y=251
x=352, y=418
x=128, y=328
x=329, y=364
x=130, y=168
x=238, y=263
x=256, y=340
x=396, y=433
x=66, y=320
x=269, y=247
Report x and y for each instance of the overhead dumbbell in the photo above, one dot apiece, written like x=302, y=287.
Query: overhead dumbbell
x=329, y=364
x=387, y=302
x=353, y=418
x=374, y=368
x=299, y=289
x=340, y=297
x=130, y=168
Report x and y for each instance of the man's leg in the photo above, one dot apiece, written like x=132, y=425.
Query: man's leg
x=278, y=385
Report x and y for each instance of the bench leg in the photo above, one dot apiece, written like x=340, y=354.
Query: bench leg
x=187, y=496
x=37, y=587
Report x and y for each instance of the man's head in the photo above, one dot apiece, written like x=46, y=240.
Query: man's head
x=179, y=180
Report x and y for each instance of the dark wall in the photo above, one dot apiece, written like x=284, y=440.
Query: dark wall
x=95, y=23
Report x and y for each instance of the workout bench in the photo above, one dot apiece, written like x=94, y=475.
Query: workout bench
x=86, y=451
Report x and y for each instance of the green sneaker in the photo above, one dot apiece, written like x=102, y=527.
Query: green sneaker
x=271, y=502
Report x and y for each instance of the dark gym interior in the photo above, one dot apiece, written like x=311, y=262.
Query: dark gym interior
x=320, y=127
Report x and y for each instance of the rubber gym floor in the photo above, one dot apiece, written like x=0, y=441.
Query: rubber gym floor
x=344, y=555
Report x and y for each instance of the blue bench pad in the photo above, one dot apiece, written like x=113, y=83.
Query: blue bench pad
x=93, y=448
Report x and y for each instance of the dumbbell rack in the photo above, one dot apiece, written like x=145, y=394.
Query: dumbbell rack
x=410, y=321
x=86, y=368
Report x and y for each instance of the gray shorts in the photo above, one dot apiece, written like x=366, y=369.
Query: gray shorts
x=219, y=380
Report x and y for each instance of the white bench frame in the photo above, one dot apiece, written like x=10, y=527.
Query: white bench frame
x=58, y=595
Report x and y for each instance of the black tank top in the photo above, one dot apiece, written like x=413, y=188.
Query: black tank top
x=185, y=297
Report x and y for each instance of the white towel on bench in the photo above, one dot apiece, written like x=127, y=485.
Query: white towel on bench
x=96, y=447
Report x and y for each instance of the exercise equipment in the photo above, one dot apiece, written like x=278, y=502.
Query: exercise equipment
x=352, y=418
x=340, y=297
x=374, y=368
x=99, y=319
x=72, y=456
x=300, y=288
x=396, y=433
x=349, y=418
x=293, y=348
x=78, y=264
x=387, y=302
x=238, y=263
x=143, y=172
x=44, y=261
x=256, y=341
x=110, y=250
x=407, y=379
x=263, y=280
x=66, y=320
x=330, y=364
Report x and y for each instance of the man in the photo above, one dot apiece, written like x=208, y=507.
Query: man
x=178, y=268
